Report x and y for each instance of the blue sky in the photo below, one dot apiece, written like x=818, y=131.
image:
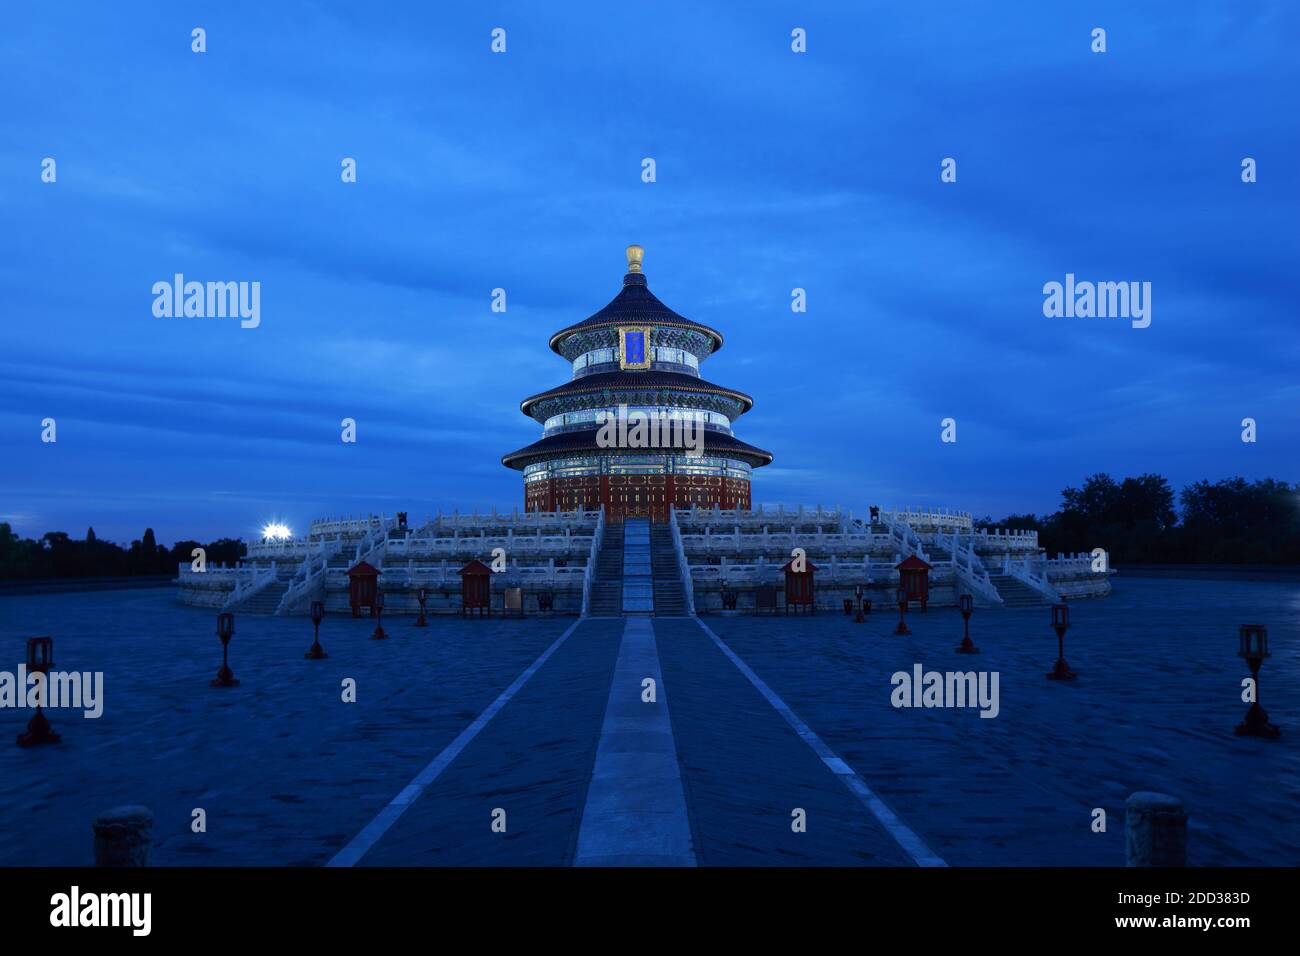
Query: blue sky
x=522, y=171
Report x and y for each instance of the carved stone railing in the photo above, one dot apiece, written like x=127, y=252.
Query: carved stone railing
x=521, y=520
x=446, y=574
x=246, y=585
x=683, y=566
x=969, y=569
x=1005, y=539
x=1033, y=573
x=557, y=545
x=728, y=574
x=589, y=572
x=722, y=517
x=906, y=541
x=374, y=545
x=930, y=519
x=310, y=577
x=784, y=541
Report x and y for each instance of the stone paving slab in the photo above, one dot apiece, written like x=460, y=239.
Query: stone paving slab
x=286, y=771
x=745, y=770
x=1153, y=709
x=534, y=761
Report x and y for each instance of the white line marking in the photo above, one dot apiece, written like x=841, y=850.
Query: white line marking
x=912, y=844
x=376, y=828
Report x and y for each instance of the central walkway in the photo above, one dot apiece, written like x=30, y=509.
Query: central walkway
x=581, y=761
x=636, y=812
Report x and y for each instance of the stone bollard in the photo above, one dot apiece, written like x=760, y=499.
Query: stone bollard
x=1155, y=830
x=122, y=836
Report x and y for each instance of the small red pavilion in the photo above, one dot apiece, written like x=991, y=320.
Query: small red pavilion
x=476, y=588
x=914, y=579
x=363, y=585
x=799, y=591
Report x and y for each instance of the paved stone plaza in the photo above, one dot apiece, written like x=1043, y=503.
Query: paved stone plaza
x=289, y=774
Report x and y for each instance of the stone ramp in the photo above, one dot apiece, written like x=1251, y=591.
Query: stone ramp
x=638, y=579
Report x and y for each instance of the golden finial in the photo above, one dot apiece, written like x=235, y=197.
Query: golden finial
x=634, y=254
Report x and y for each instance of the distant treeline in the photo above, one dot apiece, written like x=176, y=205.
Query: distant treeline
x=1232, y=521
x=56, y=555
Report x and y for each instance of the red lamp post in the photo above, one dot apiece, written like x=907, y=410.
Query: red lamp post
x=40, y=658
x=317, y=615
x=1254, y=648
x=422, y=595
x=966, y=604
x=379, y=634
x=857, y=592
x=1061, y=624
x=902, y=611
x=225, y=631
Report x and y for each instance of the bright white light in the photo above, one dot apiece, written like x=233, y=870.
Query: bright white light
x=277, y=532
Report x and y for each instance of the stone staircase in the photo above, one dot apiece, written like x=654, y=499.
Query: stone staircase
x=1015, y=593
x=607, y=586
x=265, y=601
x=670, y=596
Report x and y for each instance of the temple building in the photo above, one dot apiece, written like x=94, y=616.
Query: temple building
x=636, y=358
x=637, y=500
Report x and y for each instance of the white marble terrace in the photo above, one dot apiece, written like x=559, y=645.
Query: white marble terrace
x=719, y=550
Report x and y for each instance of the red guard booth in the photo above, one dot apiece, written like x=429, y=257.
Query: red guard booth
x=476, y=588
x=799, y=587
x=363, y=585
x=914, y=578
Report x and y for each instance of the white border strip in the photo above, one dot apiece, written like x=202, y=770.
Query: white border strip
x=912, y=844
x=376, y=828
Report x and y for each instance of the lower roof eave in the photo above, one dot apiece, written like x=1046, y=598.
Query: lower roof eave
x=565, y=445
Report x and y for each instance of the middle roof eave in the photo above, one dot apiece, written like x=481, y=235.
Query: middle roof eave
x=585, y=442
x=612, y=381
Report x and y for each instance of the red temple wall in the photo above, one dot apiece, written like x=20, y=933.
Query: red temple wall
x=636, y=495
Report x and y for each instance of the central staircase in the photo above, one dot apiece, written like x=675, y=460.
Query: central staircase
x=637, y=572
